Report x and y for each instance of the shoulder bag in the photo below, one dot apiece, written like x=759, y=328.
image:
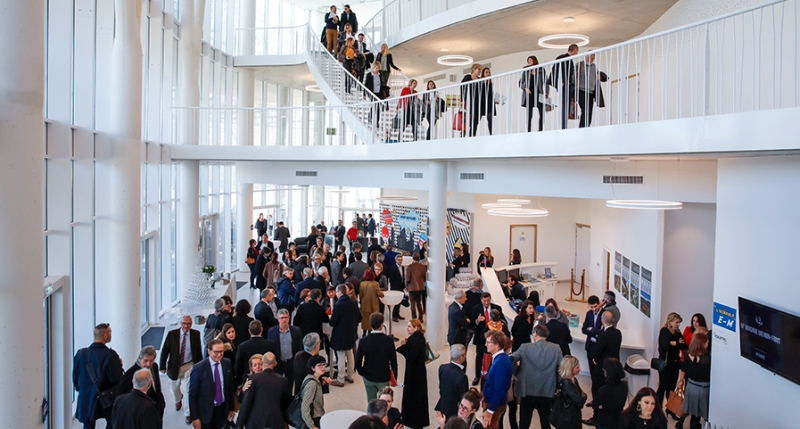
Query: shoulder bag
x=294, y=413
x=658, y=364
x=106, y=397
x=430, y=354
x=561, y=413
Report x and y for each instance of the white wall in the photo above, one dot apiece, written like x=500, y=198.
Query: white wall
x=757, y=248
x=639, y=235
x=688, y=279
x=556, y=232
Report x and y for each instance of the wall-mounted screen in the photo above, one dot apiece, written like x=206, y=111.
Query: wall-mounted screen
x=770, y=338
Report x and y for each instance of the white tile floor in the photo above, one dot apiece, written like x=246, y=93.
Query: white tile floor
x=353, y=396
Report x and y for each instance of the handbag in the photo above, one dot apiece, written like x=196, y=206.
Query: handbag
x=658, y=364
x=571, y=110
x=459, y=121
x=675, y=404
x=405, y=303
x=392, y=378
x=561, y=414
x=396, y=121
x=294, y=413
x=248, y=260
x=107, y=397
x=548, y=102
x=430, y=354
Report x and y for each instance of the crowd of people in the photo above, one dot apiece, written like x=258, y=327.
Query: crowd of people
x=264, y=365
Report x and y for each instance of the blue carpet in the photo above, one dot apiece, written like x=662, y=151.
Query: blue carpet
x=153, y=337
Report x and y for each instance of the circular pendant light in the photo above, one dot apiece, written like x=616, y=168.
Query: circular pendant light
x=454, y=60
x=513, y=201
x=313, y=88
x=578, y=39
x=500, y=206
x=518, y=212
x=644, y=204
x=397, y=198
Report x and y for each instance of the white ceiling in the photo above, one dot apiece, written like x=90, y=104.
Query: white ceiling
x=518, y=29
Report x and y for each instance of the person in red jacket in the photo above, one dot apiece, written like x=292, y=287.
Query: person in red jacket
x=352, y=235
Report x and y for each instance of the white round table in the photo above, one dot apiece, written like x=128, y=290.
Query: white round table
x=339, y=419
x=392, y=298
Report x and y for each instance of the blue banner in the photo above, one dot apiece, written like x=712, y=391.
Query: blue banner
x=724, y=316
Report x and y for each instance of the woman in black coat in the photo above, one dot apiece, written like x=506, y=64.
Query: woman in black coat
x=532, y=85
x=610, y=399
x=415, y=393
x=241, y=321
x=670, y=344
x=486, y=97
x=523, y=325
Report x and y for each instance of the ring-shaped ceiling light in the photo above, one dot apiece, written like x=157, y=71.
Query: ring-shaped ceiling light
x=397, y=198
x=454, y=60
x=518, y=212
x=313, y=88
x=644, y=204
x=579, y=39
x=500, y=206
x=513, y=201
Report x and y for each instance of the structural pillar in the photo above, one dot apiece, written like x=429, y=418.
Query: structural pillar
x=188, y=221
x=244, y=219
x=21, y=210
x=119, y=204
x=437, y=253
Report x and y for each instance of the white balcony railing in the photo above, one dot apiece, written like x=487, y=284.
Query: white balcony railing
x=740, y=62
x=400, y=14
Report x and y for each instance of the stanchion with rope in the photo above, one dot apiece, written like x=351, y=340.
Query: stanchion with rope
x=582, y=291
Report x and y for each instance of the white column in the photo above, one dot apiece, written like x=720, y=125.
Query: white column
x=188, y=221
x=247, y=20
x=244, y=219
x=119, y=198
x=21, y=208
x=437, y=254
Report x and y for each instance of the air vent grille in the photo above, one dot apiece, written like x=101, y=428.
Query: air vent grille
x=438, y=77
x=305, y=173
x=408, y=175
x=623, y=180
x=471, y=176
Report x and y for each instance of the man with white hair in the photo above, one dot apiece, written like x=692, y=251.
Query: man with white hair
x=180, y=352
x=453, y=381
x=136, y=410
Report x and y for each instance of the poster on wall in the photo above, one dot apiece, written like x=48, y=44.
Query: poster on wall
x=405, y=228
x=645, y=291
x=618, y=271
x=458, y=223
x=633, y=288
x=626, y=276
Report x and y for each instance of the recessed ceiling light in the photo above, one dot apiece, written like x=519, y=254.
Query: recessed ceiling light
x=444, y=50
x=569, y=19
x=313, y=88
x=454, y=60
x=578, y=39
x=644, y=204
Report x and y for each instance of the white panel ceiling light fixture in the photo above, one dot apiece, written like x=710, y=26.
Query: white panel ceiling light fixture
x=644, y=204
x=397, y=198
x=513, y=201
x=454, y=60
x=500, y=206
x=510, y=212
x=565, y=40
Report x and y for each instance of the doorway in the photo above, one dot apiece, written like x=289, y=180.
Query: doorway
x=524, y=238
x=582, y=248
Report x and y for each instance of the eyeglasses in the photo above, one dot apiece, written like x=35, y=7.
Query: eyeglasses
x=464, y=407
x=216, y=352
x=321, y=365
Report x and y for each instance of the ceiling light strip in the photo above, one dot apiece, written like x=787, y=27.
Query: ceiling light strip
x=644, y=204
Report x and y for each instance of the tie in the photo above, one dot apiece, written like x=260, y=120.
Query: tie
x=217, y=386
x=183, y=348
x=487, y=315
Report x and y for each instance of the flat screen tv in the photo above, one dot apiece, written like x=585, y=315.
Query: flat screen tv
x=502, y=276
x=513, y=272
x=770, y=338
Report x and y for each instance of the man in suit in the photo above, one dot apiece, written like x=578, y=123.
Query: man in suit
x=266, y=399
x=261, y=262
x=290, y=341
x=610, y=304
x=263, y=311
x=310, y=316
x=375, y=357
x=307, y=283
x=339, y=232
x=282, y=233
x=107, y=365
x=480, y=315
x=562, y=76
x=608, y=345
x=559, y=331
x=349, y=277
x=337, y=266
x=390, y=256
x=211, y=391
x=147, y=360
x=255, y=345
x=358, y=266
x=416, y=276
x=311, y=346
x=135, y=409
x=180, y=352
x=396, y=275
x=453, y=382
x=536, y=367
x=345, y=319
x=592, y=327
x=457, y=321
x=348, y=17
x=498, y=380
